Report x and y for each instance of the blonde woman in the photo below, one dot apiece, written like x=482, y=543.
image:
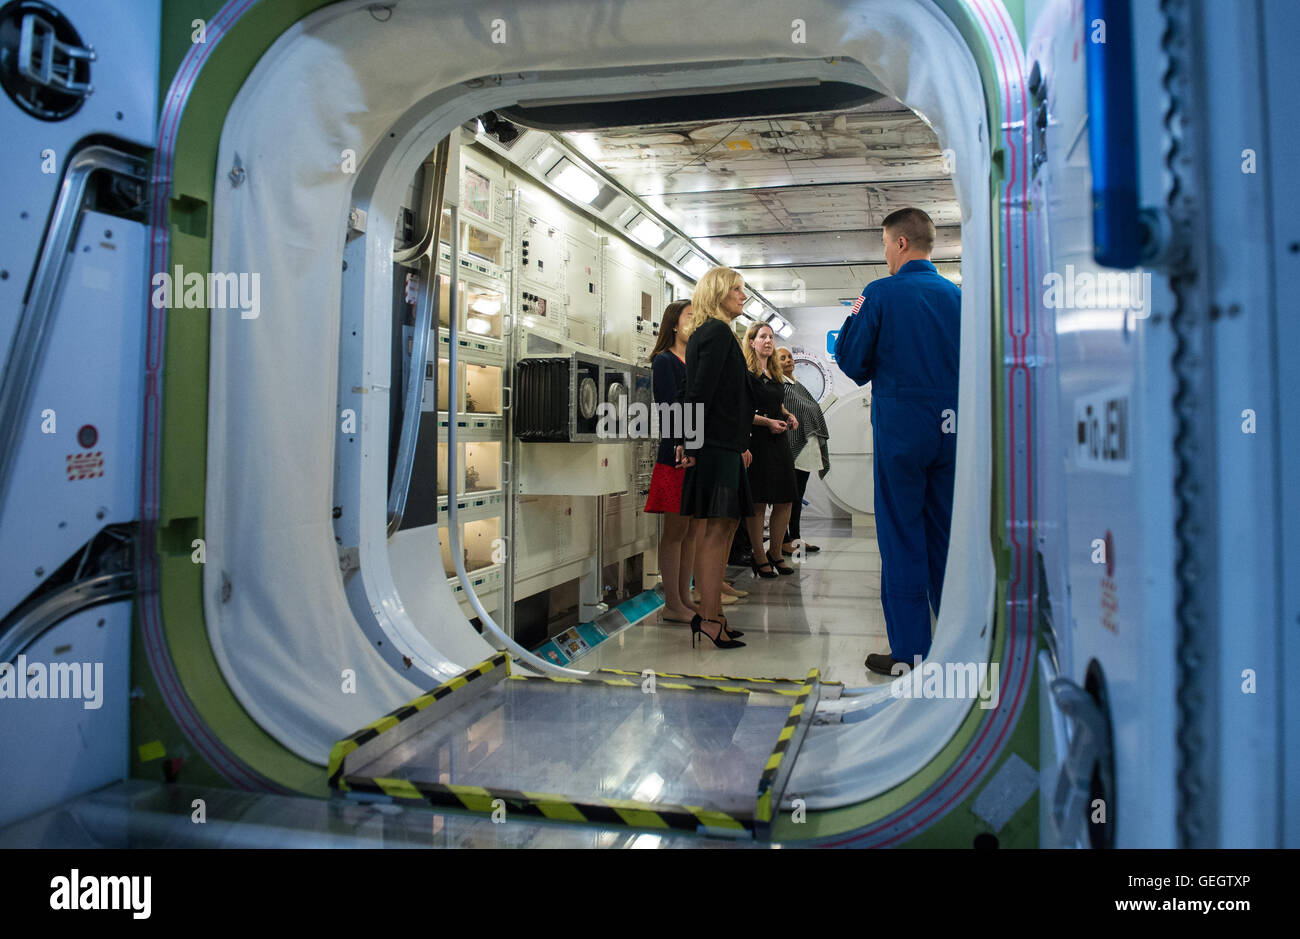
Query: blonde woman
x=715, y=489
x=771, y=473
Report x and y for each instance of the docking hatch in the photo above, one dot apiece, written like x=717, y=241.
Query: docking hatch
x=707, y=754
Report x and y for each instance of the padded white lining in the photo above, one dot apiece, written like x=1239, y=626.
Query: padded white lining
x=338, y=80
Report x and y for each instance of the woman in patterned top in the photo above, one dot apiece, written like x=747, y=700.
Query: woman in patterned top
x=807, y=458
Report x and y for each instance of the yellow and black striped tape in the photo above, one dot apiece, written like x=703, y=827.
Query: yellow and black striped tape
x=405, y=712
x=788, y=681
x=670, y=685
x=763, y=810
x=607, y=812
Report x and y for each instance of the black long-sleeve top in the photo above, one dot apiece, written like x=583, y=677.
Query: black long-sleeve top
x=669, y=374
x=716, y=378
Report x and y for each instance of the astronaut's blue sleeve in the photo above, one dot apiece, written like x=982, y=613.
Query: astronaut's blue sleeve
x=855, y=346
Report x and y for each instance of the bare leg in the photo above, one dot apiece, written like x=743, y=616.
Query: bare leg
x=780, y=518
x=754, y=524
x=670, y=559
x=689, y=546
x=698, y=528
x=710, y=556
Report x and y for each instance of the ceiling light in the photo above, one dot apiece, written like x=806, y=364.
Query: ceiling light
x=785, y=331
x=546, y=159
x=573, y=181
x=693, y=264
x=646, y=231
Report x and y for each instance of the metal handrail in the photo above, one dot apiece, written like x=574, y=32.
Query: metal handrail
x=426, y=251
x=36, y=322
x=53, y=608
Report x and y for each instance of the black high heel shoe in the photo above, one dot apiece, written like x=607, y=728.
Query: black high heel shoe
x=720, y=643
x=781, y=567
x=731, y=633
x=758, y=568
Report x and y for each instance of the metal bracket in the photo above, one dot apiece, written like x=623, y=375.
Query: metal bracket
x=45, y=61
x=349, y=561
x=1089, y=746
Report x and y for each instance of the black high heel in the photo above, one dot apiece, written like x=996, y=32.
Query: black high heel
x=731, y=633
x=720, y=643
x=780, y=566
x=758, y=568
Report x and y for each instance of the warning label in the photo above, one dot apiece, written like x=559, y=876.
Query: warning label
x=85, y=465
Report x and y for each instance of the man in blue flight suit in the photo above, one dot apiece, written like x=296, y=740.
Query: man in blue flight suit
x=903, y=335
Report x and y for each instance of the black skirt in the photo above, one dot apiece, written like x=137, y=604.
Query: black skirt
x=771, y=474
x=716, y=486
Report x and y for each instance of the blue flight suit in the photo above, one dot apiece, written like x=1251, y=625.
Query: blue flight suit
x=904, y=337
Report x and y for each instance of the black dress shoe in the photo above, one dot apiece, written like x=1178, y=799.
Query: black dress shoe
x=886, y=664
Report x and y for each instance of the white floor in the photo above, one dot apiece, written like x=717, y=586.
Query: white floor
x=826, y=615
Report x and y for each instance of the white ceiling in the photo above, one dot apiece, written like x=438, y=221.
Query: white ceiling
x=789, y=198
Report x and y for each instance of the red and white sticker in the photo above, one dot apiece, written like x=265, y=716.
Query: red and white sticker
x=85, y=465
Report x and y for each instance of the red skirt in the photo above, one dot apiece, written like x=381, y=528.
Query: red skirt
x=665, y=490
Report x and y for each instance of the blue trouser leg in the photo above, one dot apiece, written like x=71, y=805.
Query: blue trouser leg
x=904, y=445
x=938, y=515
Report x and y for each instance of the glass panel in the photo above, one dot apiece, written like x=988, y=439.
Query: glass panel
x=482, y=389
x=483, y=308
x=444, y=542
x=481, y=540
x=482, y=466
x=484, y=245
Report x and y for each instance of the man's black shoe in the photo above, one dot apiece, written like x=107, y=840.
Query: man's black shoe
x=885, y=665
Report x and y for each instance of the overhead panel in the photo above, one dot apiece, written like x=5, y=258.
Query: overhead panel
x=849, y=247
x=806, y=208
x=864, y=145
x=796, y=201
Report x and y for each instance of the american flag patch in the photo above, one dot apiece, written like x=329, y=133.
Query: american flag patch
x=857, y=304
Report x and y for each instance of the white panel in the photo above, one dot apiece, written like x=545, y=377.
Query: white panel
x=582, y=281
x=55, y=749
x=62, y=492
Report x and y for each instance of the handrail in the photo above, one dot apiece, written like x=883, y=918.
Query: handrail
x=426, y=249
x=453, y=529
x=36, y=322
x=54, y=607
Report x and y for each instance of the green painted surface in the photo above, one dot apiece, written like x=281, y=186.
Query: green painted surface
x=184, y=416
x=184, y=434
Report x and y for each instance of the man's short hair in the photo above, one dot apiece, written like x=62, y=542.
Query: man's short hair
x=914, y=225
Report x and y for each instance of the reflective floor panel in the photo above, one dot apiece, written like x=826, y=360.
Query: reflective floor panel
x=593, y=741
x=138, y=814
x=827, y=615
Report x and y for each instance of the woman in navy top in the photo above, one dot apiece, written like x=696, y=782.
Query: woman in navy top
x=676, y=550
